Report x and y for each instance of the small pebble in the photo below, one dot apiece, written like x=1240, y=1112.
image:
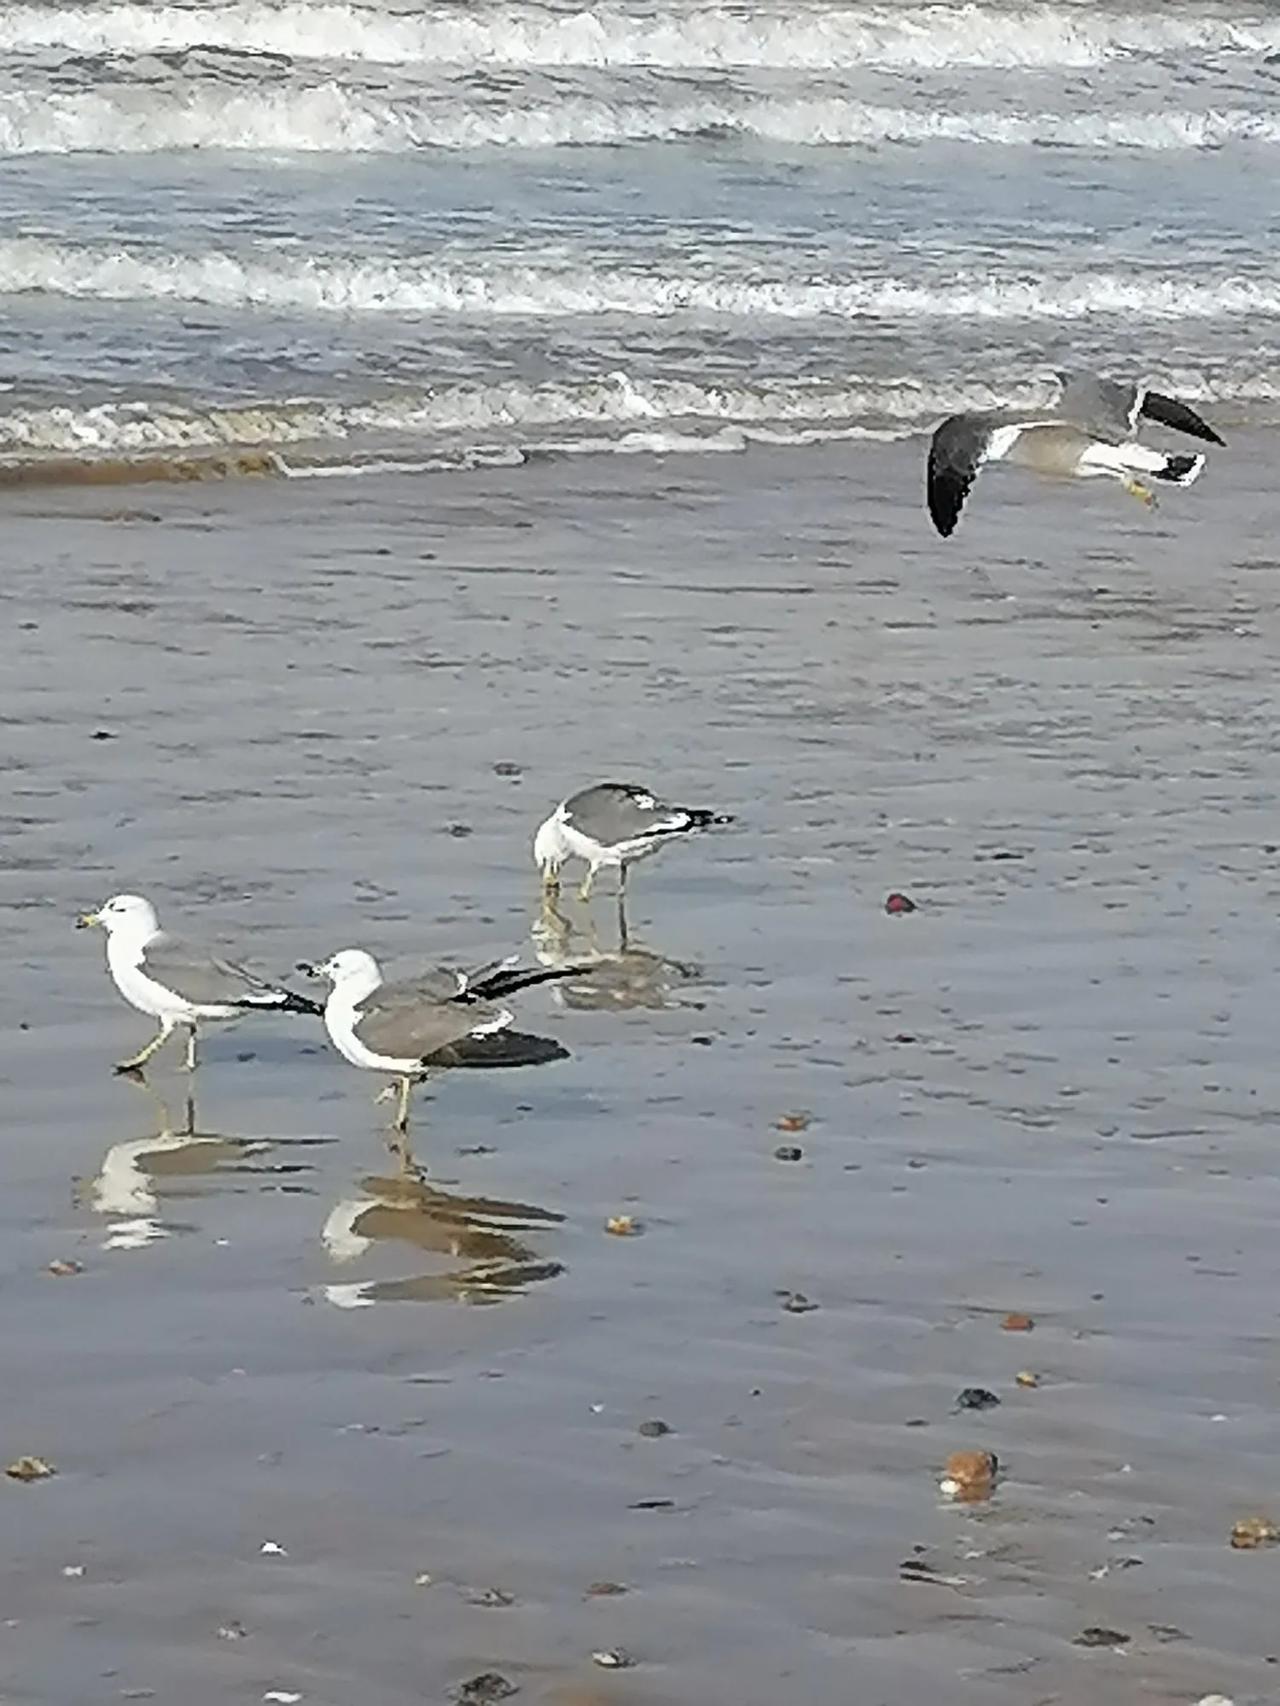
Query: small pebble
x=622, y=1225
x=794, y=1122
x=788, y=1152
x=969, y=1476
x=1025, y=1377
x=605, y=1590
x=30, y=1469
x=484, y=1689
x=613, y=1658
x=272, y=1549
x=232, y=1631
x=796, y=1303
x=1254, y=1531
x=281, y=1697
x=897, y=903
x=1017, y=1323
x=1215, y=1700
x=1096, y=1636
x=653, y=1430
x=73, y=1571
x=976, y=1398
x=63, y=1266
x=490, y=1596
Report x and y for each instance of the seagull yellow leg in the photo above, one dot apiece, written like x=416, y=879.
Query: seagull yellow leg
x=550, y=880
x=402, y=1107
x=191, y=1048
x=584, y=893
x=1144, y=494
x=136, y=1062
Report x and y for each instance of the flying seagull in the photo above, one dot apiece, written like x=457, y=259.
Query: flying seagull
x=444, y=1018
x=1091, y=433
x=177, y=982
x=612, y=823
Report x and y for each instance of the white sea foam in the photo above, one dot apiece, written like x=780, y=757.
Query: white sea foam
x=617, y=411
x=493, y=285
x=698, y=36
x=325, y=117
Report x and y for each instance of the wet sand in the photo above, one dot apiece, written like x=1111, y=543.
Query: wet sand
x=336, y=711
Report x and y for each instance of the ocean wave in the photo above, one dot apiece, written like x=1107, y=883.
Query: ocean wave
x=618, y=410
x=698, y=36
x=328, y=118
x=495, y=286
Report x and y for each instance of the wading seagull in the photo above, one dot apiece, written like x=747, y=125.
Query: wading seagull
x=1090, y=434
x=612, y=823
x=177, y=982
x=444, y=1018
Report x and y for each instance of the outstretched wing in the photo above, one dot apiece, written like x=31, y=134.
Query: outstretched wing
x=1171, y=413
x=957, y=451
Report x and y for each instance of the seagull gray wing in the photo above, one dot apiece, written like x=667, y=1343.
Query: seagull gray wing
x=957, y=451
x=405, y=1022
x=1171, y=413
x=1107, y=407
x=205, y=980
x=616, y=812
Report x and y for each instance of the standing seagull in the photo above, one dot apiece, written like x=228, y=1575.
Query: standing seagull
x=612, y=823
x=177, y=982
x=1092, y=433
x=445, y=1018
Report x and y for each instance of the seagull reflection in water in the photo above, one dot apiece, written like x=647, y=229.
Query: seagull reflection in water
x=127, y=1188
x=482, y=1260
x=614, y=979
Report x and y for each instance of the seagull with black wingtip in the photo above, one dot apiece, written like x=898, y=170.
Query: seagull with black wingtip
x=178, y=982
x=613, y=824
x=414, y=1027
x=1091, y=433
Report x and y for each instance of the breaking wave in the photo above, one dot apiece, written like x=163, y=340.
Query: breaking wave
x=493, y=285
x=638, y=413
x=697, y=36
x=327, y=118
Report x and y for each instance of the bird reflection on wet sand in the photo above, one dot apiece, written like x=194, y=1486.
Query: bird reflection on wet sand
x=127, y=1187
x=619, y=978
x=482, y=1259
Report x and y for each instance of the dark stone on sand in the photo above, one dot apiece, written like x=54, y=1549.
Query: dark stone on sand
x=1096, y=1636
x=484, y=1689
x=653, y=1430
x=652, y=1505
x=102, y=734
x=798, y=1304
x=976, y=1398
x=788, y=1152
x=506, y=768
x=460, y=830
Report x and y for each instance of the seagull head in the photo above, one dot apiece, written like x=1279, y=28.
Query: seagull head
x=349, y=966
x=129, y=912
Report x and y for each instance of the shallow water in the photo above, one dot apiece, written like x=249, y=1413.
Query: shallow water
x=306, y=716
x=378, y=231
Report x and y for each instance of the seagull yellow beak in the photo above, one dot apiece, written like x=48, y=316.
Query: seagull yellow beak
x=87, y=920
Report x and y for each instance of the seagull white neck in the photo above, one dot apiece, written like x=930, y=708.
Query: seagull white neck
x=125, y=947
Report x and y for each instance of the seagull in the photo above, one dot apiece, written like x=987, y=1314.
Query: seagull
x=177, y=982
x=1091, y=433
x=444, y=1018
x=612, y=823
